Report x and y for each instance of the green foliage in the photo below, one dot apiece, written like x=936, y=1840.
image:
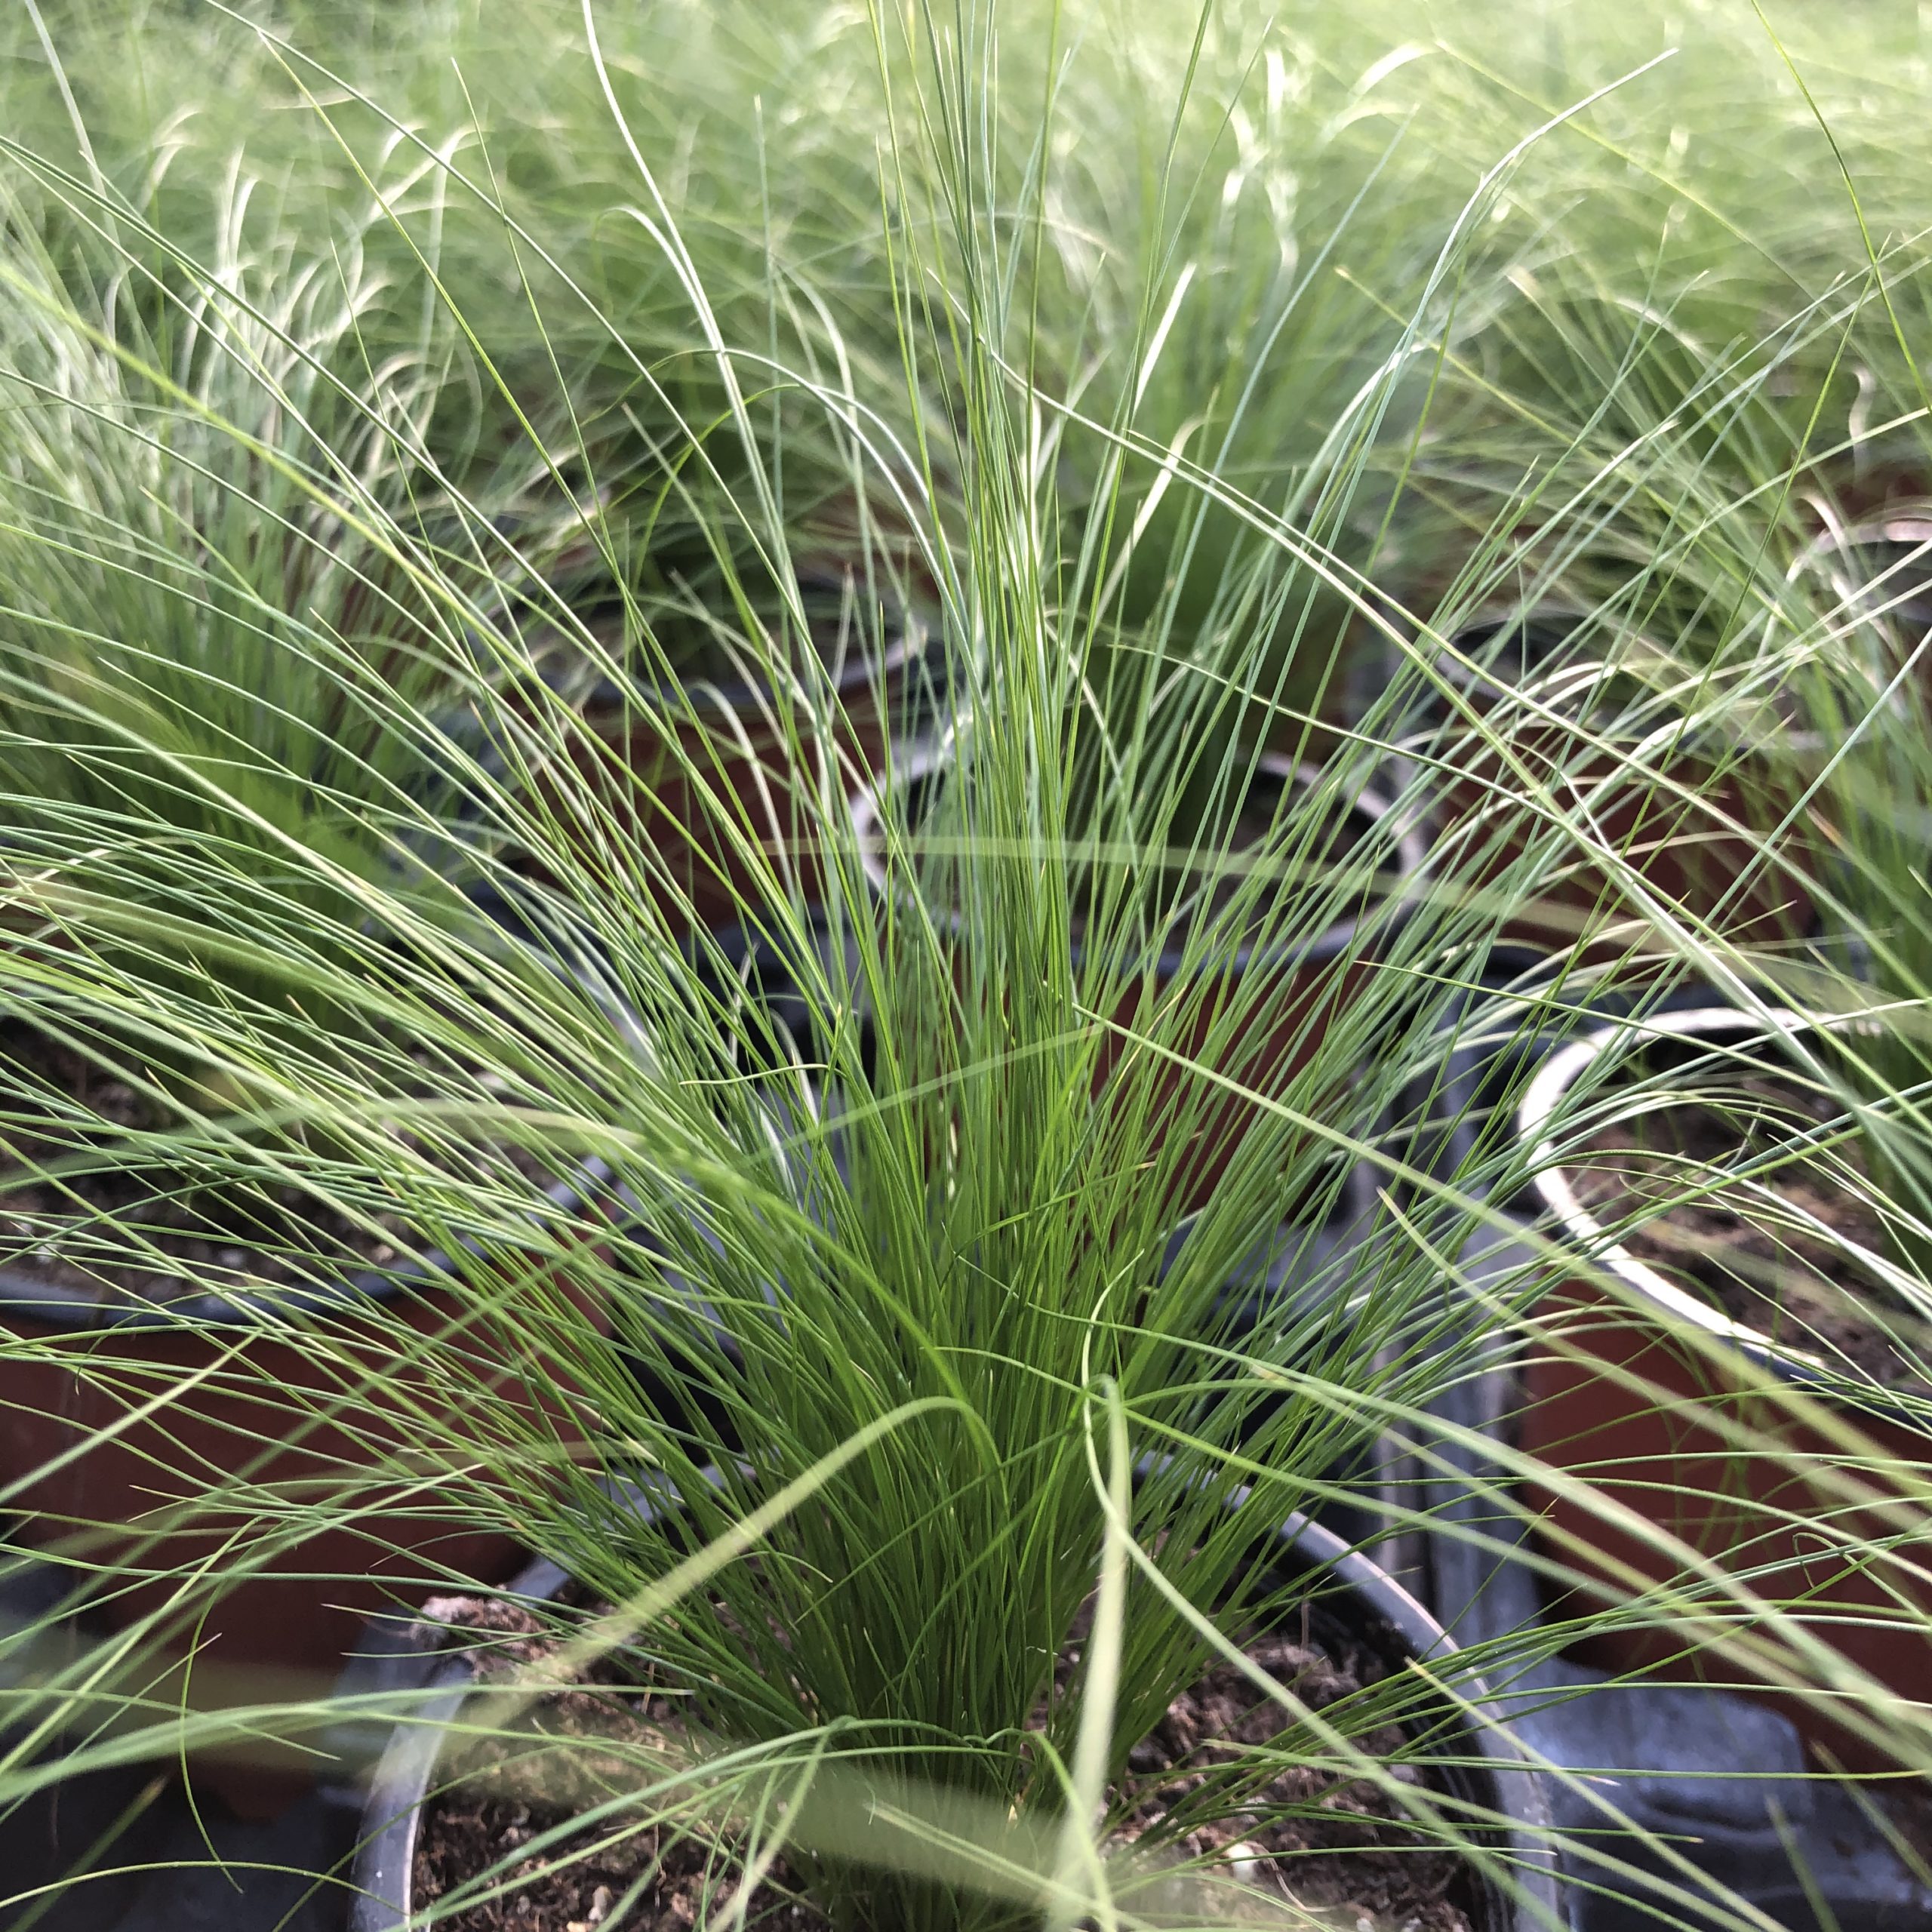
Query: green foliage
x=385, y=441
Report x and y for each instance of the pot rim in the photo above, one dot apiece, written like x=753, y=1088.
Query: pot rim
x=1559, y=690
x=1514, y=614
x=1551, y=1179
x=739, y=697
x=906, y=630
x=382, y=1879
x=23, y=1297
x=1907, y=526
x=1908, y=521
x=933, y=754
x=905, y=635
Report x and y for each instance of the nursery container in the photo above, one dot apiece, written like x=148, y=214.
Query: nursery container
x=1481, y=1771
x=704, y=777
x=1303, y=1300
x=1658, y=1450
x=1690, y=851
x=93, y=1821
x=1315, y=978
x=94, y=1440
x=1880, y=566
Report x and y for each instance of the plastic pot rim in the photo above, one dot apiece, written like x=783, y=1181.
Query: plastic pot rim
x=934, y=754
x=24, y=1298
x=740, y=698
x=1584, y=1232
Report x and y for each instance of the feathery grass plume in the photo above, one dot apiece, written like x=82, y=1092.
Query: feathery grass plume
x=222, y=659
x=231, y=654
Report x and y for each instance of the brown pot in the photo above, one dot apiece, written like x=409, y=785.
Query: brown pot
x=1664, y=1450
x=1313, y=980
x=1311, y=983
x=1691, y=851
x=708, y=785
x=119, y=1413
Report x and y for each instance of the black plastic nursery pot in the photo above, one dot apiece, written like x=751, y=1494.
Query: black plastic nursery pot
x=1690, y=832
x=86, y=1837
x=116, y=1414
x=1295, y=1313
x=1473, y=1762
x=1309, y=982
x=1665, y=1450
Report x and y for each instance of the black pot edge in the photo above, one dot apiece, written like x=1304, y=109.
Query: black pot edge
x=26, y=1299
x=1593, y=1726
x=905, y=643
x=380, y=1878
x=930, y=753
x=381, y=1875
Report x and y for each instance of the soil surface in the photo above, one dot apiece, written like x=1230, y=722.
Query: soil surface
x=1328, y=1842
x=1746, y=1248
x=572, y=1884
x=1342, y=1845
x=127, y=1230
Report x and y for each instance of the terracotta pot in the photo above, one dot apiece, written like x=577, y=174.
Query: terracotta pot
x=1691, y=851
x=1312, y=983
x=1663, y=1451
x=1311, y=980
x=119, y=1413
x=1481, y=1767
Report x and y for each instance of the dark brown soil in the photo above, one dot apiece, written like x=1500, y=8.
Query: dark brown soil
x=79, y=1232
x=1329, y=1841
x=1343, y=1846
x=572, y=1885
x=1742, y=1250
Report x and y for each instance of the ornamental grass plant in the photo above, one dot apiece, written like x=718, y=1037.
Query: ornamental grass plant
x=1187, y=453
